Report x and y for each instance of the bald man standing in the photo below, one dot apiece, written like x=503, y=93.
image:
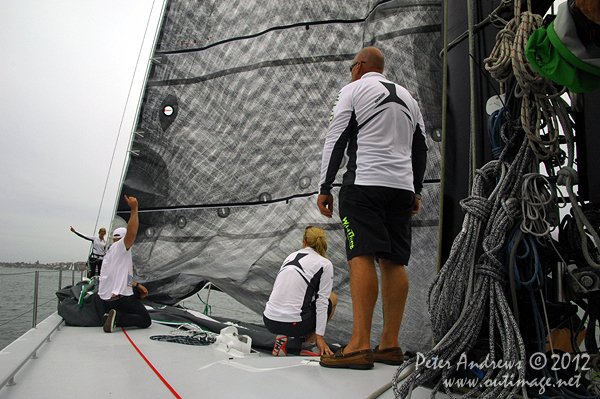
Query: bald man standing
x=380, y=126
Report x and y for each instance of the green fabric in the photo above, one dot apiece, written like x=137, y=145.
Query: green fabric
x=553, y=60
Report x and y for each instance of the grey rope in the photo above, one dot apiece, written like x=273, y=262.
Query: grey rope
x=196, y=338
x=457, y=319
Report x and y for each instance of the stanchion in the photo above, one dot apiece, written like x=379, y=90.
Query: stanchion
x=35, y=298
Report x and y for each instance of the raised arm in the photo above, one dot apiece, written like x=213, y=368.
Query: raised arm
x=132, y=225
x=89, y=238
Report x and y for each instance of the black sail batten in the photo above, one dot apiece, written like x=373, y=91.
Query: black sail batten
x=227, y=169
x=240, y=204
x=247, y=68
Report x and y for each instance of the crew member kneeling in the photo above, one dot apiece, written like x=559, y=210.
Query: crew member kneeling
x=116, y=279
x=302, y=303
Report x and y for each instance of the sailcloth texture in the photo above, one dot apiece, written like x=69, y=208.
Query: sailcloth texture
x=226, y=156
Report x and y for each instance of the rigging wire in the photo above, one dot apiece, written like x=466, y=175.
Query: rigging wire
x=27, y=311
x=123, y=116
x=492, y=18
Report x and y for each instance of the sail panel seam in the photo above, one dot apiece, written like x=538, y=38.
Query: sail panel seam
x=303, y=24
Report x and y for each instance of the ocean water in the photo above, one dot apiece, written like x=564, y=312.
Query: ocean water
x=16, y=301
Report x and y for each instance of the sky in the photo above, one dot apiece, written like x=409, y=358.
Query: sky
x=70, y=81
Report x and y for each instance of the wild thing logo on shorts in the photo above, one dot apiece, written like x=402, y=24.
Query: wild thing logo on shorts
x=349, y=232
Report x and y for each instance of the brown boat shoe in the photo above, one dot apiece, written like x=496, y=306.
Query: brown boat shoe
x=360, y=360
x=391, y=356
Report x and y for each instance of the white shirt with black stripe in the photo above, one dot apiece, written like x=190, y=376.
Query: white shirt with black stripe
x=380, y=125
x=303, y=273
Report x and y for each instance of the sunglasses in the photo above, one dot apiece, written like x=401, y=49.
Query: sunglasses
x=353, y=65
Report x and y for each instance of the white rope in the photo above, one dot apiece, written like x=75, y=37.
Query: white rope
x=498, y=64
x=582, y=221
x=508, y=59
x=540, y=97
x=538, y=199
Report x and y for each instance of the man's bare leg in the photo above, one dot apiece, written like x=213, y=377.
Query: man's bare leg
x=334, y=302
x=394, y=290
x=364, y=288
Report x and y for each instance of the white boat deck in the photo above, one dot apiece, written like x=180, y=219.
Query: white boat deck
x=86, y=362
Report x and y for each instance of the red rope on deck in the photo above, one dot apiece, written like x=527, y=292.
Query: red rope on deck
x=152, y=367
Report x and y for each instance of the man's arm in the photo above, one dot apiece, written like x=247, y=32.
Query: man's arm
x=325, y=204
x=142, y=290
x=419, y=162
x=342, y=123
x=132, y=225
x=419, y=159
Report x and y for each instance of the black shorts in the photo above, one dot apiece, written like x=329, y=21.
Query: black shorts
x=377, y=221
x=300, y=328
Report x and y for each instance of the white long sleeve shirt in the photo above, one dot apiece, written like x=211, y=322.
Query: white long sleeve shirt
x=381, y=126
x=98, y=245
x=303, y=275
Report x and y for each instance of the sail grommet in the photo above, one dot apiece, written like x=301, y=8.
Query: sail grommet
x=168, y=110
x=181, y=222
x=264, y=197
x=223, y=212
x=304, y=182
x=149, y=232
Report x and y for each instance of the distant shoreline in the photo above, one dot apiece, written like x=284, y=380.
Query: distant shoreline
x=52, y=266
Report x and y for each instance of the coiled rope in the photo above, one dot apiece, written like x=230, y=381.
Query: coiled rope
x=570, y=176
x=457, y=319
x=537, y=92
x=538, y=199
x=197, y=338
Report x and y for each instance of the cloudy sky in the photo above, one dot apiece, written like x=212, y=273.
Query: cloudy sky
x=66, y=69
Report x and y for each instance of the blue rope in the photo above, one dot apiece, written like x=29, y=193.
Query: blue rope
x=495, y=122
x=527, y=262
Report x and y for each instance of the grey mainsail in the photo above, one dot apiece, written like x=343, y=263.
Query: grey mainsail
x=231, y=126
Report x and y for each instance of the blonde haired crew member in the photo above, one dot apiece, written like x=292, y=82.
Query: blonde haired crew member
x=302, y=303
